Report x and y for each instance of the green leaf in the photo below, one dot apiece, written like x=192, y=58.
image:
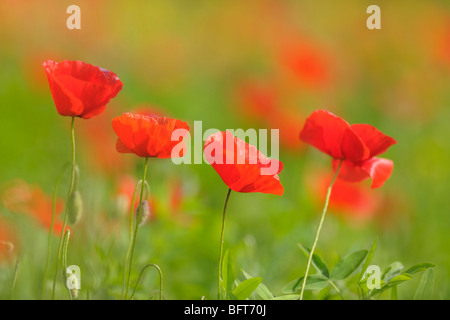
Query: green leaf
x=288, y=297
x=313, y=282
x=317, y=261
x=396, y=280
x=228, y=272
x=419, y=268
x=399, y=278
x=368, y=258
x=224, y=279
x=392, y=270
x=347, y=265
x=426, y=286
x=261, y=290
x=246, y=288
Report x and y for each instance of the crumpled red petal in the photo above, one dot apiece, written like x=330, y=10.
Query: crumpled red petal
x=374, y=139
x=242, y=166
x=325, y=131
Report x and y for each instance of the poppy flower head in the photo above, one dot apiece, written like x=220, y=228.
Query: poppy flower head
x=80, y=89
x=241, y=166
x=357, y=145
x=148, y=136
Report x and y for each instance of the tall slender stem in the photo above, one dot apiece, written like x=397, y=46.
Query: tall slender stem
x=72, y=180
x=131, y=238
x=322, y=219
x=16, y=268
x=50, y=231
x=136, y=227
x=221, y=244
x=160, y=279
x=336, y=288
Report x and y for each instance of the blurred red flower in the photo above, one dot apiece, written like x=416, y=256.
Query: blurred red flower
x=357, y=145
x=19, y=197
x=80, y=89
x=240, y=165
x=147, y=136
x=262, y=103
x=352, y=201
x=306, y=62
x=8, y=241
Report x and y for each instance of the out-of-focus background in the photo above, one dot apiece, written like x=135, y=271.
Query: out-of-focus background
x=231, y=64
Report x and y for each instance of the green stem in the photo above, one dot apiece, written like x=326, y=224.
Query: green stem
x=131, y=238
x=16, y=268
x=130, y=262
x=64, y=259
x=322, y=219
x=336, y=288
x=160, y=280
x=50, y=232
x=221, y=244
x=72, y=180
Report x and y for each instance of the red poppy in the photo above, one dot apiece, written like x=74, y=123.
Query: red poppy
x=147, y=136
x=308, y=63
x=241, y=166
x=19, y=197
x=80, y=89
x=357, y=145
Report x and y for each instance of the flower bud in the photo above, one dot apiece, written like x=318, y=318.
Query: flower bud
x=145, y=212
x=75, y=208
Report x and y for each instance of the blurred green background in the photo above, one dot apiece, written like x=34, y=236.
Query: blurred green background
x=224, y=62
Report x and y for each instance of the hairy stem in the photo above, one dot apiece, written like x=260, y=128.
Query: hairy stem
x=72, y=180
x=130, y=262
x=160, y=279
x=322, y=219
x=221, y=244
x=55, y=191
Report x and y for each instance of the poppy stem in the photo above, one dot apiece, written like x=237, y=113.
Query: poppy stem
x=71, y=187
x=136, y=227
x=133, y=200
x=322, y=219
x=221, y=245
x=16, y=268
x=50, y=231
x=160, y=279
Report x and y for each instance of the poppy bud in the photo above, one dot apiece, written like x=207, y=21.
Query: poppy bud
x=75, y=207
x=145, y=212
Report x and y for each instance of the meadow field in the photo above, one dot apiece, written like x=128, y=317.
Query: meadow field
x=256, y=64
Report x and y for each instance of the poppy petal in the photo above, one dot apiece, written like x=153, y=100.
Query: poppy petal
x=350, y=171
x=353, y=148
x=374, y=139
x=379, y=169
x=232, y=158
x=80, y=89
x=147, y=136
x=325, y=131
x=122, y=148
